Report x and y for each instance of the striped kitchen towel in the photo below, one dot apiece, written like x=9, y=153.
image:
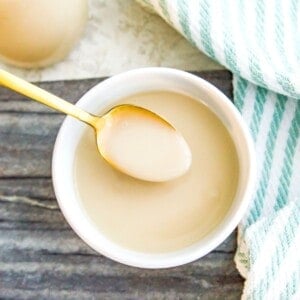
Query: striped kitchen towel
x=259, y=41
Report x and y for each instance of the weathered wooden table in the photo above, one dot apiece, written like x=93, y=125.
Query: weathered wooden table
x=42, y=258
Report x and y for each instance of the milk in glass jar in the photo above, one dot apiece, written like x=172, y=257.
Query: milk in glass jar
x=38, y=33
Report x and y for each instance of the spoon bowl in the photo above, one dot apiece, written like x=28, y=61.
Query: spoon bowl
x=151, y=148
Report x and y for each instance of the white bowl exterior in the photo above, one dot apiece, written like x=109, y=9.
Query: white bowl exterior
x=104, y=95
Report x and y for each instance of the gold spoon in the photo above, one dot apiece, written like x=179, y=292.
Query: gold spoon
x=132, y=139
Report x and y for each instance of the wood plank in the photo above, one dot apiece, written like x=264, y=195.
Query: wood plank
x=72, y=90
x=42, y=258
x=39, y=267
x=26, y=143
x=54, y=284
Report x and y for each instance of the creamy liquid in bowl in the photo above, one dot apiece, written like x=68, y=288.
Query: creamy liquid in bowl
x=166, y=216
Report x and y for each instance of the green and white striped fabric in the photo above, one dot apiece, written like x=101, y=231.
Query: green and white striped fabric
x=259, y=41
x=270, y=233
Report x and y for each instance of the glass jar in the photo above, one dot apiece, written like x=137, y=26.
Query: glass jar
x=38, y=33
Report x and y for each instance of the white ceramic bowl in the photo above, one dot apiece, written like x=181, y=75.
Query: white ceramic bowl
x=107, y=93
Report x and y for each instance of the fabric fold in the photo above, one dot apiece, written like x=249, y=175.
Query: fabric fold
x=258, y=40
x=269, y=234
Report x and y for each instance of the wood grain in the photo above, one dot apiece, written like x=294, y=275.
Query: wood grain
x=42, y=258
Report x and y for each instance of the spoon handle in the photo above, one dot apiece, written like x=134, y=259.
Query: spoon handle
x=32, y=91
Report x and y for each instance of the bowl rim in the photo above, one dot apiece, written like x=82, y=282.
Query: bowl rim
x=165, y=260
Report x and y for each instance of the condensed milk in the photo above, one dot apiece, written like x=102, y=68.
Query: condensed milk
x=163, y=216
